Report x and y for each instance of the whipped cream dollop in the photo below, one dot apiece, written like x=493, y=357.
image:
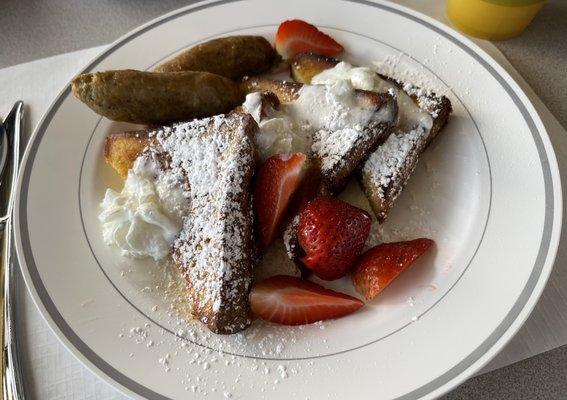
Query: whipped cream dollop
x=329, y=107
x=146, y=216
x=410, y=114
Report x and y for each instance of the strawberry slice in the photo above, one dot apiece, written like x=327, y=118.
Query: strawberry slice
x=276, y=182
x=332, y=233
x=289, y=300
x=380, y=265
x=296, y=36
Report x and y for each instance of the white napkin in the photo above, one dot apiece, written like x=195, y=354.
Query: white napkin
x=53, y=373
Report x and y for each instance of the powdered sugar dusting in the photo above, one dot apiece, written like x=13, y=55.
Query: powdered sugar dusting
x=387, y=170
x=391, y=161
x=331, y=147
x=216, y=157
x=426, y=99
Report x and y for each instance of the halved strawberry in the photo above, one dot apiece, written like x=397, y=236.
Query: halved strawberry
x=332, y=233
x=276, y=181
x=289, y=300
x=380, y=265
x=296, y=36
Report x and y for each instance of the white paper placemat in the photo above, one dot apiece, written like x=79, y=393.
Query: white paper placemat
x=53, y=373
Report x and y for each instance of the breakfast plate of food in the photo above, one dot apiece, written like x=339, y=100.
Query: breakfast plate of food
x=249, y=199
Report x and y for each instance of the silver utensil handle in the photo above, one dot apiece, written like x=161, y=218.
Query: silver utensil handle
x=12, y=377
x=13, y=384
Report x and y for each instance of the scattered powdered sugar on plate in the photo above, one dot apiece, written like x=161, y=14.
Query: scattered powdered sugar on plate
x=392, y=66
x=389, y=65
x=201, y=368
x=416, y=223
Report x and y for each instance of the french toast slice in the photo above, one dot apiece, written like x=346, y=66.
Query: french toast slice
x=216, y=247
x=215, y=250
x=388, y=169
x=337, y=152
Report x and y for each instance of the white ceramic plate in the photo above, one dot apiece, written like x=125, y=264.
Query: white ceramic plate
x=487, y=191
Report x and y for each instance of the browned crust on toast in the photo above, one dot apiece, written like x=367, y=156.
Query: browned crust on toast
x=286, y=91
x=303, y=67
x=122, y=148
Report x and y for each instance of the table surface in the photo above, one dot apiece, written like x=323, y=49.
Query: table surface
x=35, y=29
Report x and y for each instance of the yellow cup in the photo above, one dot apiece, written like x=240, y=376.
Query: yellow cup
x=492, y=19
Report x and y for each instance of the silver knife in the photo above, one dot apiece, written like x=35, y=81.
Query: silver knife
x=12, y=378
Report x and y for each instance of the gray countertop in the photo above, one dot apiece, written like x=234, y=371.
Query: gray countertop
x=33, y=29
